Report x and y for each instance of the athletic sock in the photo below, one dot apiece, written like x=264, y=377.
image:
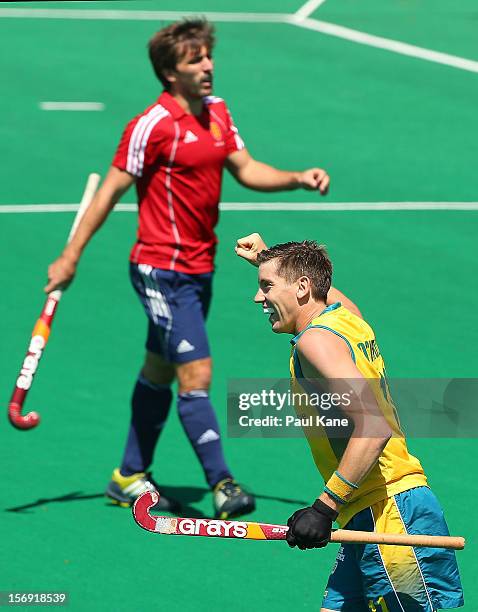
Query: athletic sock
x=200, y=424
x=150, y=405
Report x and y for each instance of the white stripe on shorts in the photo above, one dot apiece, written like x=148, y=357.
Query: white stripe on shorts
x=414, y=554
x=384, y=566
x=156, y=300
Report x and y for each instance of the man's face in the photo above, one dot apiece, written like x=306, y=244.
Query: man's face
x=193, y=75
x=278, y=298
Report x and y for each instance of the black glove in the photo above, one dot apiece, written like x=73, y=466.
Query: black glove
x=311, y=527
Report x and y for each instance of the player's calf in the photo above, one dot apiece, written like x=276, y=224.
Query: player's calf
x=157, y=370
x=194, y=375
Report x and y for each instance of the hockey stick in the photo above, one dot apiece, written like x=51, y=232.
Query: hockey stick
x=265, y=531
x=41, y=332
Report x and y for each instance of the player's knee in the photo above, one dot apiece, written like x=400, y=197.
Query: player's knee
x=194, y=375
x=156, y=370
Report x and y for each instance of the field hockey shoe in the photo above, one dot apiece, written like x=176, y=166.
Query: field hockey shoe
x=231, y=500
x=123, y=491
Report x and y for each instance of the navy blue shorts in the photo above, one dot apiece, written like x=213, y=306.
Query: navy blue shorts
x=176, y=305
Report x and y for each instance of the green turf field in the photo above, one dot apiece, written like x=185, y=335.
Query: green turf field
x=388, y=127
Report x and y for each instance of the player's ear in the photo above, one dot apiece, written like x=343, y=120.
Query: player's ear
x=170, y=76
x=303, y=287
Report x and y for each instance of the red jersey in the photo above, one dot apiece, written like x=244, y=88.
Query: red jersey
x=178, y=160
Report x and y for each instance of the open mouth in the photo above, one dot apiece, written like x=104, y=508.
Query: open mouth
x=268, y=310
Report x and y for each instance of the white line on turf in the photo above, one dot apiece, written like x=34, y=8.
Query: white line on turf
x=388, y=44
x=72, y=106
x=330, y=29
x=308, y=8
x=348, y=206
x=100, y=14
x=266, y=207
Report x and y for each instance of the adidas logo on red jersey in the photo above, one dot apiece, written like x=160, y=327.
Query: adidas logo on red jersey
x=190, y=137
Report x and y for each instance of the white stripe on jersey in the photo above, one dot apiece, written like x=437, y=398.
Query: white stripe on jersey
x=172, y=217
x=144, y=141
x=139, y=139
x=239, y=142
x=212, y=100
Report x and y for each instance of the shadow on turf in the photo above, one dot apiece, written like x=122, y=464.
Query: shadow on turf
x=185, y=495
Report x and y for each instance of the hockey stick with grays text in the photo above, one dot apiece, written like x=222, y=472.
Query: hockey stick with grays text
x=264, y=531
x=41, y=332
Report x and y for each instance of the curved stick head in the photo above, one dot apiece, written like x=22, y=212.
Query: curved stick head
x=141, y=508
x=19, y=421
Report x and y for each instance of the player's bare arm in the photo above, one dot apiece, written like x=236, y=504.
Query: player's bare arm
x=250, y=246
x=262, y=177
x=62, y=270
x=324, y=355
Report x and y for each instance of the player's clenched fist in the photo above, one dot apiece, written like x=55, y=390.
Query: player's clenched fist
x=249, y=246
x=311, y=527
x=315, y=179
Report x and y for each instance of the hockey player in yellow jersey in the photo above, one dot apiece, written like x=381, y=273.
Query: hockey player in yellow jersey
x=371, y=481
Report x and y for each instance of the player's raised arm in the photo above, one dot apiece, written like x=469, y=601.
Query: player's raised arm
x=62, y=270
x=250, y=246
x=262, y=177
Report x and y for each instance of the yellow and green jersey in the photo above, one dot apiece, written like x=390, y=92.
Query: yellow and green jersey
x=396, y=470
